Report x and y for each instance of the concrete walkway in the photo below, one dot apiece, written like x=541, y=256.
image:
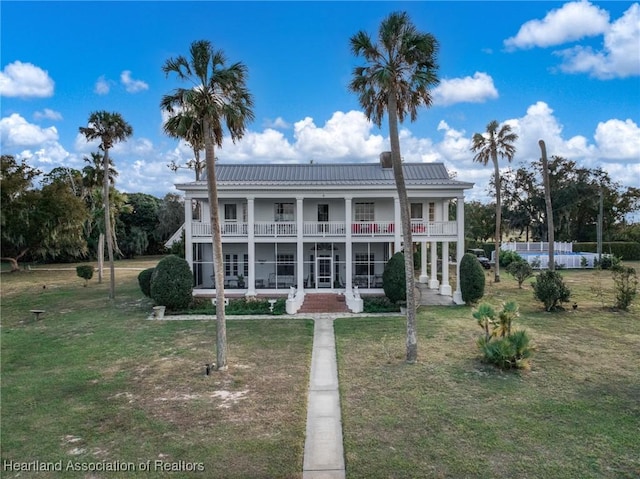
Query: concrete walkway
x=323, y=449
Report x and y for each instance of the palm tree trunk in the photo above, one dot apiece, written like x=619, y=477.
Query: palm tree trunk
x=100, y=257
x=218, y=262
x=498, y=236
x=107, y=224
x=396, y=160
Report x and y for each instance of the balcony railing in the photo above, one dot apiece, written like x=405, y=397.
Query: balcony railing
x=419, y=229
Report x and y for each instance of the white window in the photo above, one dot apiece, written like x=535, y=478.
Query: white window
x=416, y=211
x=230, y=212
x=364, y=211
x=284, y=212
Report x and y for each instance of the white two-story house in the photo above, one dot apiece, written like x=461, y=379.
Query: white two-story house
x=298, y=229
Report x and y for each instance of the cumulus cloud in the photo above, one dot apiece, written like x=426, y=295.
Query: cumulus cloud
x=102, y=86
x=25, y=80
x=619, y=140
x=620, y=56
x=131, y=85
x=571, y=22
x=476, y=89
x=48, y=114
x=15, y=131
x=278, y=123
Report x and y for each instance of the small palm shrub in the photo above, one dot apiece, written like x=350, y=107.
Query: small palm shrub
x=626, y=286
x=607, y=262
x=144, y=281
x=85, y=271
x=394, y=282
x=472, y=279
x=378, y=304
x=172, y=283
x=520, y=270
x=549, y=287
x=500, y=345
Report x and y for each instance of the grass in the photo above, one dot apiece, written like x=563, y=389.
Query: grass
x=94, y=382
x=575, y=414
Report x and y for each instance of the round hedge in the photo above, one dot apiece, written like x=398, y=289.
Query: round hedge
x=144, y=280
x=471, y=279
x=394, y=282
x=172, y=283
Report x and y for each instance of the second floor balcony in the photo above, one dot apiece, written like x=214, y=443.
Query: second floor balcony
x=335, y=229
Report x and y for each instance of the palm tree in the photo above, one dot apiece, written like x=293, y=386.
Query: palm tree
x=396, y=78
x=218, y=100
x=496, y=142
x=93, y=179
x=184, y=124
x=109, y=128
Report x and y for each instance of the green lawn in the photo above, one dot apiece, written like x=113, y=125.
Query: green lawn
x=575, y=414
x=94, y=382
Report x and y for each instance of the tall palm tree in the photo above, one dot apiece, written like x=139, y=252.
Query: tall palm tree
x=184, y=124
x=109, y=128
x=496, y=142
x=219, y=100
x=92, y=180
x=398, y=73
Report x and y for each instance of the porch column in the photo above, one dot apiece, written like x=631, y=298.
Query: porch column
x=397, y=220
x=457, y=296
x=188, y=230
x=300, y=243
x=445, y=287
x=251, y=247
x=433, y=282
x=424, y=277
x=348, y=246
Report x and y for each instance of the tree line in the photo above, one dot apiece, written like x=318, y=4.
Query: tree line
x=576, y=194
x=60, y=216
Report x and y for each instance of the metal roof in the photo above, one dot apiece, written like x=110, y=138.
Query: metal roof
x=317, y=174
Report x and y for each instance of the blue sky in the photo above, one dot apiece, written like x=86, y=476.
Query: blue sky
x=567, y=72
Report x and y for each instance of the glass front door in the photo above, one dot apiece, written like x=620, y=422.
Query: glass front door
x=324, y=267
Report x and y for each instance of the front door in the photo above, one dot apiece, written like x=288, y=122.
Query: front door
x=324, y=267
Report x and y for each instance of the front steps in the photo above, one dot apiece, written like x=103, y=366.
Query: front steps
x=323, y=303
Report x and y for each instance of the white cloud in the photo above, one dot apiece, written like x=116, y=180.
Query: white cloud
x=15, y=131
x=620, y=56
x=278, y=123
x=619, y=140
x=102, y=86
x=571, y=22
x=131, y=85
x=476, y=89
x=25, y=80
x=48, y=114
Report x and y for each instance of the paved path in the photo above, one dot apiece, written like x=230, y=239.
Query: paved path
x=323, y=449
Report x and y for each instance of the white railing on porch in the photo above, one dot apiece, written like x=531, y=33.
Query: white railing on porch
x=330, y=228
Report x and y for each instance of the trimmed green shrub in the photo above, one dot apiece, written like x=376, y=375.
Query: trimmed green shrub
x=172, y=283
x=607, y=262
x=626, y=285
x=378, y=304
x=255, y=306
x=85, y=271
x=507, y=257
x=394, y=282
x=549, y=288
x=520, y=270
x=144, y=281
x=472, y=279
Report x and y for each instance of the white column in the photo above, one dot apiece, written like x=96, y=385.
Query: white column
x=433, y=282
x=424, y=277
x=300, y=242
x=188, y=230
x=348, y=245
x=457, y=296
x=445, y=287
x=251, y=247
x=397, y=220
